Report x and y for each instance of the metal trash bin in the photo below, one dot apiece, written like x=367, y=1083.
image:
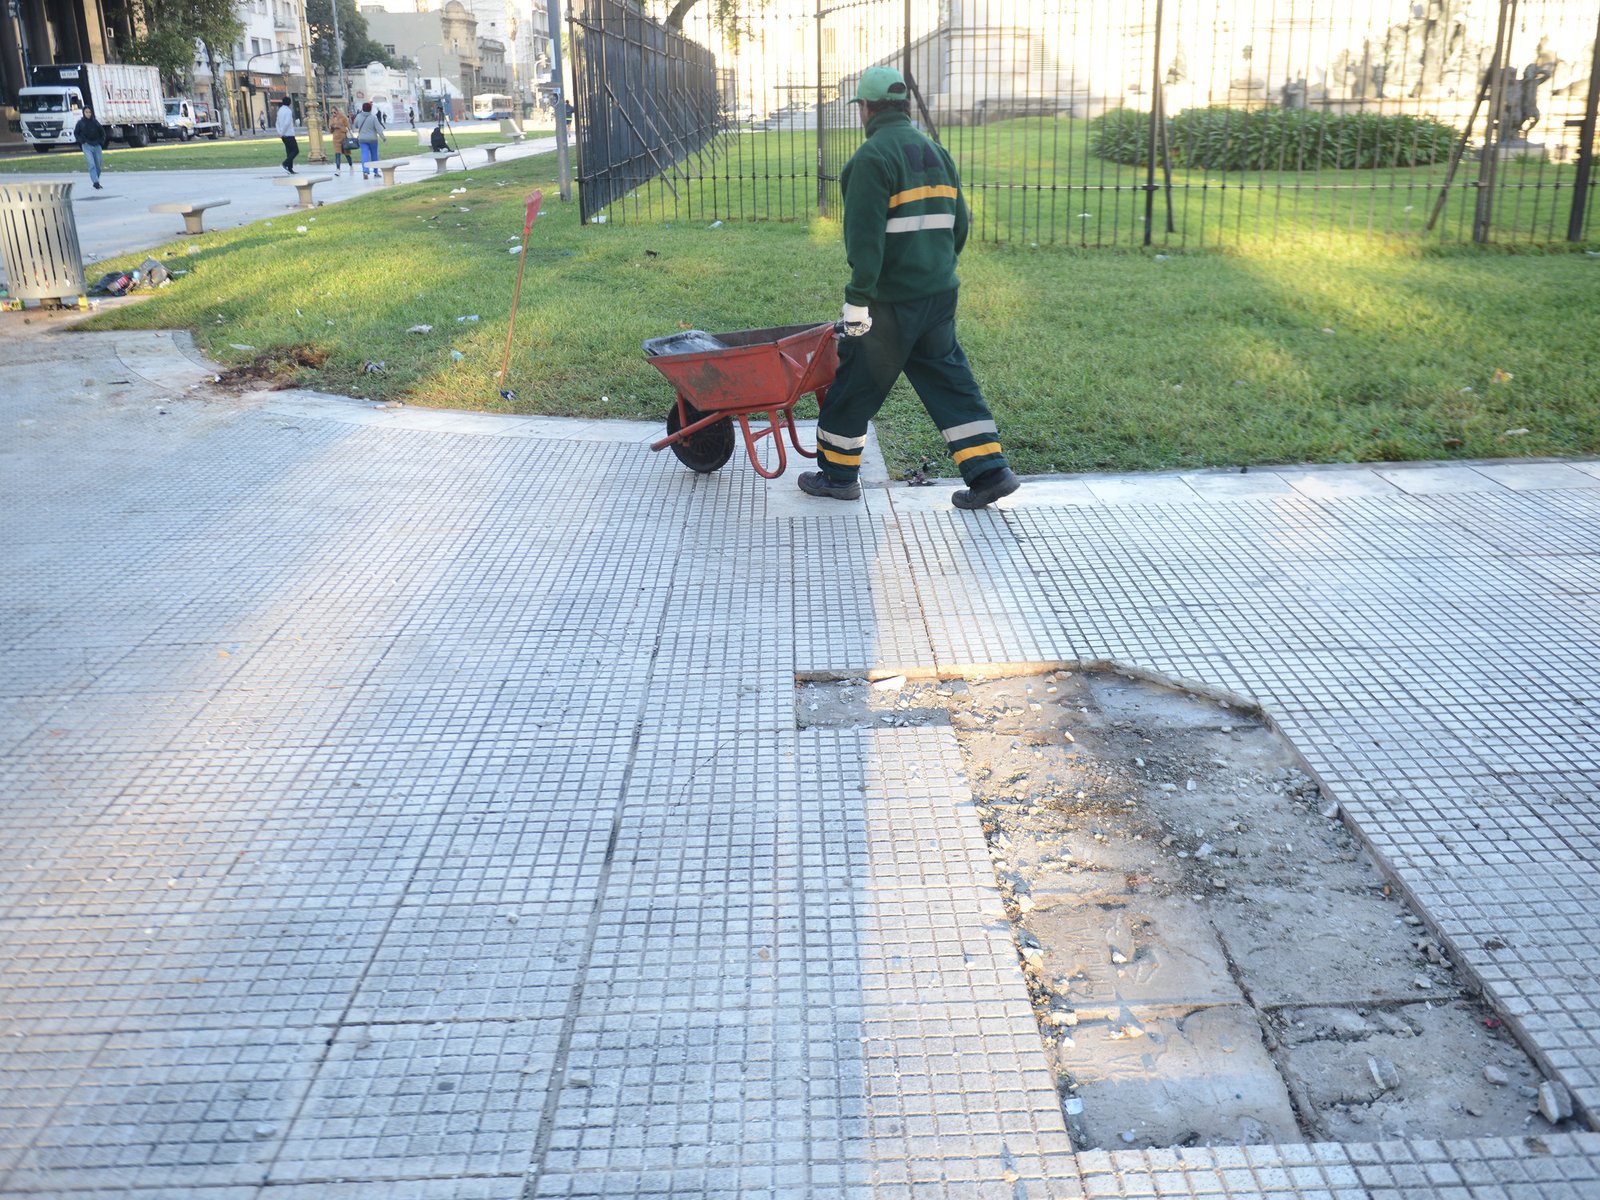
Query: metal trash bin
x=39, y=242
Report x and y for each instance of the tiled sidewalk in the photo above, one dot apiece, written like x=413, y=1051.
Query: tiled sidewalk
x=391, y=811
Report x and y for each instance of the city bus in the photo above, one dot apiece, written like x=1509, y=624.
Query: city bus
x=491, y=106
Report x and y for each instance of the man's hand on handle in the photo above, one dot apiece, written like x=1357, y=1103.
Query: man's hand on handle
x=855, y=319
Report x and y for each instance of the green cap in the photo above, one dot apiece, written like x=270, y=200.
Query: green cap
x=881, y=83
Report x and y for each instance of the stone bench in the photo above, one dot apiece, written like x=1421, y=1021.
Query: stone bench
x=441, y=160
x=192, y=211
x=304, y=184
x=491, y=149
x=516, y=139
x=389, y=168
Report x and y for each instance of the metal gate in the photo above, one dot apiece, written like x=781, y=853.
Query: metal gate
x=1126, y=122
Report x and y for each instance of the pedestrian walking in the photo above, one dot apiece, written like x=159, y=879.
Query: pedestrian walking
x=291, y=147
x=369, y=132
x=905, y=223
x=90, y=137
x=343, y=144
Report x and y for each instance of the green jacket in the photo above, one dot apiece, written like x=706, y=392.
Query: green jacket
x=904, y=218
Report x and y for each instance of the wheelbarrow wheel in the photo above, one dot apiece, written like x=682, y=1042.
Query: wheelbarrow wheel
x=706, y=450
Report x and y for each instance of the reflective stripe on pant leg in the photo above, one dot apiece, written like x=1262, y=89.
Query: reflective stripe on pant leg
x=868, y=367
x=938, y=370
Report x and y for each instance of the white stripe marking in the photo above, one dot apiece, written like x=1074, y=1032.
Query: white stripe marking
x=844, y=443
x=971, y=429
x=926, y=221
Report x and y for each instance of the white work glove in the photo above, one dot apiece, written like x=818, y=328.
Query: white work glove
x=857, y=320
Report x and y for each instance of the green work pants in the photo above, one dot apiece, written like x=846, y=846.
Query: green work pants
x=917, y=339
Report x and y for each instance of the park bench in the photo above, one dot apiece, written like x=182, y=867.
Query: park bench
x=304, y=184
x=491, y=150
x=516, y=139
x=389, y=168
x=441, y=160
x=192, y=211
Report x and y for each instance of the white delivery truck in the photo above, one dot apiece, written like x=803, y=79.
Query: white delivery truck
x=125, y=99
x=189, y=119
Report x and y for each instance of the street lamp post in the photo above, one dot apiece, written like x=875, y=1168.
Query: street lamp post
x=275, y=52
x=313, y=121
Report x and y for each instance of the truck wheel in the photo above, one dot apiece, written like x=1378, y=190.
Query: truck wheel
x=185, y=134
x=38, y=149
x=137, y=138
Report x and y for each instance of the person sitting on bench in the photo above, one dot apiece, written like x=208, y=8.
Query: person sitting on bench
x=437, y=139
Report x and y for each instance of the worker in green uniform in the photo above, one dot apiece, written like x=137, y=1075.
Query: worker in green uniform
x=904, y=224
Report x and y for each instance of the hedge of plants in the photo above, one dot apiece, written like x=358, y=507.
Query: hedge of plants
x=1276, y=139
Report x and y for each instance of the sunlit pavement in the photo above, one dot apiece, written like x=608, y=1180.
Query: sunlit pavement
x=410, y=804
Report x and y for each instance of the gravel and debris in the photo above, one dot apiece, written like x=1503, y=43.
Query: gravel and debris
x=1212, y=956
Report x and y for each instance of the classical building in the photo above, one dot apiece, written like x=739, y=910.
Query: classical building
x=42, y=32
x=441, y=46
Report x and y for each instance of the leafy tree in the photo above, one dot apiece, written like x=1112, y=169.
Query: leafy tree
x=359, y=48
x=167, y=30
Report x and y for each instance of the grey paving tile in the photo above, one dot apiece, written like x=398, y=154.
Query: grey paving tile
x=1335, y=483
x=1536, y=476
x=1253, y=484
x=1143, y=489
x=174, y=1110
x=1427, y=481
x=459, y=1098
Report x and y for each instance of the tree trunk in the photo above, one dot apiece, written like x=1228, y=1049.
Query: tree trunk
x=680, y=10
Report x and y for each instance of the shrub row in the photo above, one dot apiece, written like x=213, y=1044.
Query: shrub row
x=1276, y=139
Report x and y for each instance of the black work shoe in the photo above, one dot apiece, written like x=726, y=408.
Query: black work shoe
x=987, y=488
x=817, y=483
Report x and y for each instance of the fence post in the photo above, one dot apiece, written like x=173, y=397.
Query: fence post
x=822, y=169
x=563, y=164
x=1586, y=131
x=1155, y=119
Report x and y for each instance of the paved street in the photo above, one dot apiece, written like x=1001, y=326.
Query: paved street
x=117, y=219
x=411, y=804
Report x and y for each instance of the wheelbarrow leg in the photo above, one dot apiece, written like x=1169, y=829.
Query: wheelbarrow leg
x=794, y=432
x=750, y=440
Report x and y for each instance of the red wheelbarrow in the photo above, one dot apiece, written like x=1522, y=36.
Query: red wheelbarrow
x=726, y=377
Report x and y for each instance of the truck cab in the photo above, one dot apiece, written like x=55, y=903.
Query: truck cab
x=179, y=121
x=48, y=115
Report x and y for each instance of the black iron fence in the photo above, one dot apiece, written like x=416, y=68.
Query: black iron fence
x=648, y=103
x=1114, y=122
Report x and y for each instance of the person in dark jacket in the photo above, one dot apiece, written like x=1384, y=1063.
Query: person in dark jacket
x=90, y=137
x=436, y=140
x=904, y=224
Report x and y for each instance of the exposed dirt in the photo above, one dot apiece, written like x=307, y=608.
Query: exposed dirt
x=1212, y=956
x=278, y=368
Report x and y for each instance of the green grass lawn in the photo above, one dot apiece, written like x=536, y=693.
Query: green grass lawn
x=220, y=155
x=1093, y=360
